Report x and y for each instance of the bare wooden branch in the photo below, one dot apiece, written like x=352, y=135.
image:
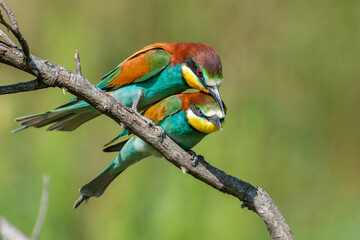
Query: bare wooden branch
x=268, y=211
x=14, y=29
x=53, y=75
x=23, y=87
x=43, y=208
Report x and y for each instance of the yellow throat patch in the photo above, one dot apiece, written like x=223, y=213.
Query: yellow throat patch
x=191, y=79
x=201, y=124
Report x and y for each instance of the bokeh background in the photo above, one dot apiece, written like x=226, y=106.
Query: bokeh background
x=291, y=85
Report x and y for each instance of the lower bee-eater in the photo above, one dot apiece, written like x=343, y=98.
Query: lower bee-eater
x=185, y=118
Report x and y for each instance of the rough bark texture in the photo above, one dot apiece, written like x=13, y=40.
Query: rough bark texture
x=52, y=75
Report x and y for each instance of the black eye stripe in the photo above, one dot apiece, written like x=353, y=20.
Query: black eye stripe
x=196, y=111
x=192, y=65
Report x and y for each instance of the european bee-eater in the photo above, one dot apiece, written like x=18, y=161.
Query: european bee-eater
x=148, y=76
x=185, y=118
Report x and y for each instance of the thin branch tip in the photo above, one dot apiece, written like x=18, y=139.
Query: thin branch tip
x=14, y=29
x=77, y=62
x=7, y=39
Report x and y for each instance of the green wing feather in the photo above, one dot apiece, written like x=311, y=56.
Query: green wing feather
x=139, y=67
x=164, y=108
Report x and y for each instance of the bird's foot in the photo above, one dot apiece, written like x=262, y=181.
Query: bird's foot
x=148, y=121
x=161, y=135
x=195, y=158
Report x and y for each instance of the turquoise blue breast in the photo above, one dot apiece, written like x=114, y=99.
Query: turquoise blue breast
x=177, y=128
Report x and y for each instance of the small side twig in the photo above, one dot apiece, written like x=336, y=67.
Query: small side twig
x=14, y=29
x=77, y=62
x=23, y=87
x=7, y=39
x=43, y=208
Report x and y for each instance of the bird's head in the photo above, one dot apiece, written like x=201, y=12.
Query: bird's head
x=202, y=70
x=204, y=114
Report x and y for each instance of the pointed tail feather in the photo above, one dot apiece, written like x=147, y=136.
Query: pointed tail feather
x=80, y=200
x=97, y=186
x=115, y=148
x=123, y=133
x=66, y=119
x=42, y=119
x=18, y=129
x=73, y=121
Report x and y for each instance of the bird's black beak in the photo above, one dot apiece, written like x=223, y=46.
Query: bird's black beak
x=215, y=119
x=214, y=92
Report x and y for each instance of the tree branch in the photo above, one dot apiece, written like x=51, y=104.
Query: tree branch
x=53, y=75
x=23, y=87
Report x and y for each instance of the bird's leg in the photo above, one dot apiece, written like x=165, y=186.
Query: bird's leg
x=195, y=158
x=135, y=104
x=134, y=107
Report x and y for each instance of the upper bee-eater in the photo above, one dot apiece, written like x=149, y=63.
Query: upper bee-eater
x=185, y=118
x=148, y=76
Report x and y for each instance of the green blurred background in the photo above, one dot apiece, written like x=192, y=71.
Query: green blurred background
x=292, y=88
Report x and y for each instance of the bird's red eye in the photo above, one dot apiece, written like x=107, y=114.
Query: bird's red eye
x=199, y=72
x=199, y=112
